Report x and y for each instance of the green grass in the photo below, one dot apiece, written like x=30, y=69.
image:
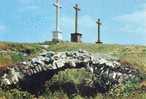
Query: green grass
x=11, y=53
x=77, y=76
x=15, y=94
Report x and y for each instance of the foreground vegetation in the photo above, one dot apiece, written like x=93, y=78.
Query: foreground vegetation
x=76, y=83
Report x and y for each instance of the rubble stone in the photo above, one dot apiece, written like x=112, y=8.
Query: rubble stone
x=101, y=65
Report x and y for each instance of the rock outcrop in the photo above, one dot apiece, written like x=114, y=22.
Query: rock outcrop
x=108, y=70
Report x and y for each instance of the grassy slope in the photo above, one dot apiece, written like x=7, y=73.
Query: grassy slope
x=11, y=53
x=133, y=54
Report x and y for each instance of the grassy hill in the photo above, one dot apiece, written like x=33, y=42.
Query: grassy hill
x=11, y=53
x=133, y=54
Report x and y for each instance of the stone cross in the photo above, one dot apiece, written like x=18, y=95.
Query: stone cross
x=57, y=35
x=76, y=37
x=99, y=24
x=76, y=7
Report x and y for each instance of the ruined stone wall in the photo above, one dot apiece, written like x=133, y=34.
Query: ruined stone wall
x=108, y=70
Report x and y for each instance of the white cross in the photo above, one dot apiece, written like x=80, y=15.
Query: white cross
x=58, y=7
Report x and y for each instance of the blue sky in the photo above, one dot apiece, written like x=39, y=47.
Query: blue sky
x=124, y=21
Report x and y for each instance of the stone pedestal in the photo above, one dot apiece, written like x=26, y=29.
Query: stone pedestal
x=99, y=42
x=76, y=37
x=57, y=36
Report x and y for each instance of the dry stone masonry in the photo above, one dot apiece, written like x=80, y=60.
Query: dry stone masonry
x=108, y=70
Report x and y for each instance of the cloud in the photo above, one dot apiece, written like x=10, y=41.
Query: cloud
x=132, y=25
x=134, y=22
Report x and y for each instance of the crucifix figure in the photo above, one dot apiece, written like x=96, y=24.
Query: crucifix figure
x=76, y=37
x=57, y=35
x=98, y=24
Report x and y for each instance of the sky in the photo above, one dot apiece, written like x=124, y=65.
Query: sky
x=123, y=21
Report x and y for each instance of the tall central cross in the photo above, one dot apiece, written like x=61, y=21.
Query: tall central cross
x=57, y=35
x=98, y=22
x=76, y=37
x=77, y=9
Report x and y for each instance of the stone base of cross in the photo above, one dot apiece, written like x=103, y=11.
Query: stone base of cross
x=76, y=37
x=57, y=36
x=98, y=42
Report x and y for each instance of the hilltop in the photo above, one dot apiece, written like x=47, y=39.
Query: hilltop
x=11, y=53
